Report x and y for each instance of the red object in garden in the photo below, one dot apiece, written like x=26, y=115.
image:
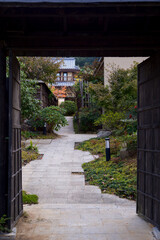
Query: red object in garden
x=130, y=115
x=135, y=107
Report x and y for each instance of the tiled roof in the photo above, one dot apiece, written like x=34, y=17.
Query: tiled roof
x=68, y=63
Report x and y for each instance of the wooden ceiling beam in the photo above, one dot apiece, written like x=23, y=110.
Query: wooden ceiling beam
x=80, y=12
x=111, y=41
x=83, y=52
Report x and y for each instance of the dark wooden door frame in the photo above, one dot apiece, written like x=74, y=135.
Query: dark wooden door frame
x=15, y=205
x=148, y=159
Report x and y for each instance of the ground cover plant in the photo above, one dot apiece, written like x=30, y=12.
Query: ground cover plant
x=37, y=135
x=3, y=224
x=29, y=153
x=29, y=198
x=116, y=176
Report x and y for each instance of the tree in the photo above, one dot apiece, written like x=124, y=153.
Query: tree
x=87, y=73
x=82, y=61
x=123, y=88
x=40, y=68
x=29, y=103
x=59, y=92
x=121, y=94
x=101, y=96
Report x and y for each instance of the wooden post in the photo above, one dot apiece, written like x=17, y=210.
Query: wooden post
x=3, y=134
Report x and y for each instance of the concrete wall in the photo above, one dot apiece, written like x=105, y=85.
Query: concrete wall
x=122, y=62
x=60, y=100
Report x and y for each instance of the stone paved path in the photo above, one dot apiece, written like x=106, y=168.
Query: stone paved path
x=68, y=209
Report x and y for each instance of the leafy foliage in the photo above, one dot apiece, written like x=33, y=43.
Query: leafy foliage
x=131, y=141
x=59, y=92
x=52, y=116
x=37, y=135
x=29, y=103
x=29, y=198
x=3, y=224
x=123, y=88
x=115, y=176
x=40, y=68
x=87, y=73
x=82, y=61
x=32, y=147
x=118, y=100
x=86, y=119
x=101, y=95
x=70, y=107
x=111, y=120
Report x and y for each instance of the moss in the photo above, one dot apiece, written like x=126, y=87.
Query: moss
x=28, y=155
x=116, y=176
x=29, y=198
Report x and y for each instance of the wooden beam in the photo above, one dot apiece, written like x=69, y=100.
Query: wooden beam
x=83, y=52
x=112, y=42
x=3, y=134
x=106, y=11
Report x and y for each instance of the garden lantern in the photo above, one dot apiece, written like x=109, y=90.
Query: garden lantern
x=108, y=157
x=45, y=129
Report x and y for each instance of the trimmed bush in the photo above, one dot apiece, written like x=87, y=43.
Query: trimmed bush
x=52, y=116
x=70, y=107
x=87, y=117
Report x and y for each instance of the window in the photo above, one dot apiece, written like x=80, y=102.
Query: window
x=65, y=76
x=58, y=76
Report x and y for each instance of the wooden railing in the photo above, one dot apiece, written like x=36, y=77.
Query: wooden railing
x=65, y=79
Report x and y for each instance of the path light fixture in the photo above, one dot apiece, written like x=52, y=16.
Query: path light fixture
x=108, y=156
x=45, y=129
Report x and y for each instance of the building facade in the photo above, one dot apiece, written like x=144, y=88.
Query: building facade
x=45, y=95
x=63, y=87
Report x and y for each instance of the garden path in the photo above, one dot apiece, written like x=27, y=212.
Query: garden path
x=68, y=209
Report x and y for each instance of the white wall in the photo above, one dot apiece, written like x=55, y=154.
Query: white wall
x=122, y=62
x=60, y=100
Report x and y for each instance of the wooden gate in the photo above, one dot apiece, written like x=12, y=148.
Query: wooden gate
x=15, y=206
x=148, y=200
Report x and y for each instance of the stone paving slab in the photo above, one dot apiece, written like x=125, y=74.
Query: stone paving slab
x=83, y=221
x=68, y=209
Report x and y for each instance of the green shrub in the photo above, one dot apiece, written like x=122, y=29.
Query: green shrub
x=52, y=116
x=111, y=120
x=29, y=134
x=132, y=144
x=29, y=198
x=131, y=125
x=70, y=107
x=37, y=135
x=87, y=117
x=29, y=102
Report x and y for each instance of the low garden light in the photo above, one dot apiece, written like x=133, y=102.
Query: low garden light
x=108, y=156
x=45, y=129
